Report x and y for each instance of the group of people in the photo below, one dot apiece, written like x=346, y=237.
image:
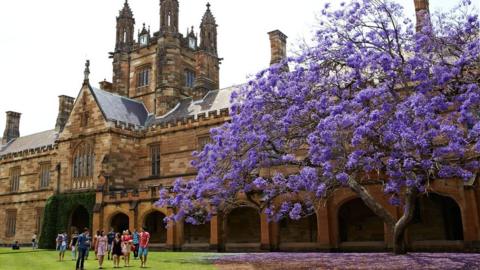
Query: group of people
x=114, y=245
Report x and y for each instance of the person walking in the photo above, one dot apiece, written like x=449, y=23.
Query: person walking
x=95, y=239
x=34, y=241
x=117, y=250
x=127, y=244
x=89, y=244
x=110, y=238
x=83, y=246
x=101, y=248
x=136, y=243
x=62, y=245
x=73, y=245
x=143, y=249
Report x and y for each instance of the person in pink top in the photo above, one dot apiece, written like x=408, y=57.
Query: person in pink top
x=143, y=249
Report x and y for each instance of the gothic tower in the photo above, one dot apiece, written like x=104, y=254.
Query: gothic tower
x=207, y=61
x=169, y=59
x=124, y=44
x=169, y=16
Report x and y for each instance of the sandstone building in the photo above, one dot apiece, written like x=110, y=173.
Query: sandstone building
x=113, y=148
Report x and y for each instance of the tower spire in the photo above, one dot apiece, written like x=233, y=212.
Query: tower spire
x=208, y=32
x=125, y=29
x=169, y=15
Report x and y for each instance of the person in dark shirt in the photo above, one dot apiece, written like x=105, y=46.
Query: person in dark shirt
x=110, y=238
x=16, y=246
x=83, y=245
x=73, y=245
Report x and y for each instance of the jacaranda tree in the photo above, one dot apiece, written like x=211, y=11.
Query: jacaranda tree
x=371, y=101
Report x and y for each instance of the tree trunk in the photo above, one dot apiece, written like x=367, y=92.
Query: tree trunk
x=399, y=246
x=371, y=203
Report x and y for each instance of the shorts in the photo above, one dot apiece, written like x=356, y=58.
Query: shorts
x=142, y=251
x=109, y=247
x=62, y=248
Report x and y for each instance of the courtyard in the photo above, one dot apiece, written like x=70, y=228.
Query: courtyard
x=44, y=259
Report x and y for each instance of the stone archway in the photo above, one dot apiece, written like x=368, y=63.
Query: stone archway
x=436, y=218
x=303, y=230
x=196, y=234
x=357, y=223
x=119, y=222
x=79, y=219
x=155, y=225
x=243, y=226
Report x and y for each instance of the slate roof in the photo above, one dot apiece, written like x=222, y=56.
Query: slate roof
x=213, y=101
x=33, y=141
x=118, y=108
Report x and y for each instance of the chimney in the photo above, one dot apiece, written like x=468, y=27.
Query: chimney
x=12, y=128
x=106, y=86
x=422, y=12
x=278, y=44
x=65, y=107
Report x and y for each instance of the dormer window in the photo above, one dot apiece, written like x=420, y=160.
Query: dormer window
x=192, y=43
x=144, y=40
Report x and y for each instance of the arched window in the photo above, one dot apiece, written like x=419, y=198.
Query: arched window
x=82, y=165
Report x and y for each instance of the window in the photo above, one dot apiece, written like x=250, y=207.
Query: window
x=155, y=158
x=11, y=223
x=44, y=175
x=202, y=141
x=189, y=78
x=15, y=179
x=39, y=220
x=83, y=164
x=143, y=77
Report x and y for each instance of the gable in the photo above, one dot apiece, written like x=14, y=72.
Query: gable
x=86, y=116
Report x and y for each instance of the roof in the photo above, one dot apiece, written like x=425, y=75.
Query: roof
x=33, y=141
x=213, y=101
x=118, y=108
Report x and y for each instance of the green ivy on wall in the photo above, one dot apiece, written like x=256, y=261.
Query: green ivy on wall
x=58, y=210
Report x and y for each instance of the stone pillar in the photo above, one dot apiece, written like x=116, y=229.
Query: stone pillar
x=216, y=230
x=274, y=236
x=265, y=232
x=470, y=218
x=170, y=232
x=278, y=44
x=65, y=106
x=323, y=228
x=12, y=127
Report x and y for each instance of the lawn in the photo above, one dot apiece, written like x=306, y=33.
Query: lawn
x=26, y=259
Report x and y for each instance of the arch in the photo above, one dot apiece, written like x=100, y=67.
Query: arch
x=303, y=230
x=357, y=223
x=196, y=234
x=155, y=225
x=119, y=222
x=436, y=217
x=243, y=225
x=79, y=219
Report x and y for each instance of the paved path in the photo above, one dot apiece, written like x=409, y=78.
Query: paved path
x=338, y=261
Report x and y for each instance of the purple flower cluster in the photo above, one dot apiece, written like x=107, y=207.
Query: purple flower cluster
x=372, y=100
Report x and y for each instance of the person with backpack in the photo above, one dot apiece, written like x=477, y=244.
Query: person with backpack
x=83, y=245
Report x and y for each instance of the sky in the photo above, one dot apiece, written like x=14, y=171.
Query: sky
x=44, y=44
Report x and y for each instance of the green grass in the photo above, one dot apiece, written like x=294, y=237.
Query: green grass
x=26, y=259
